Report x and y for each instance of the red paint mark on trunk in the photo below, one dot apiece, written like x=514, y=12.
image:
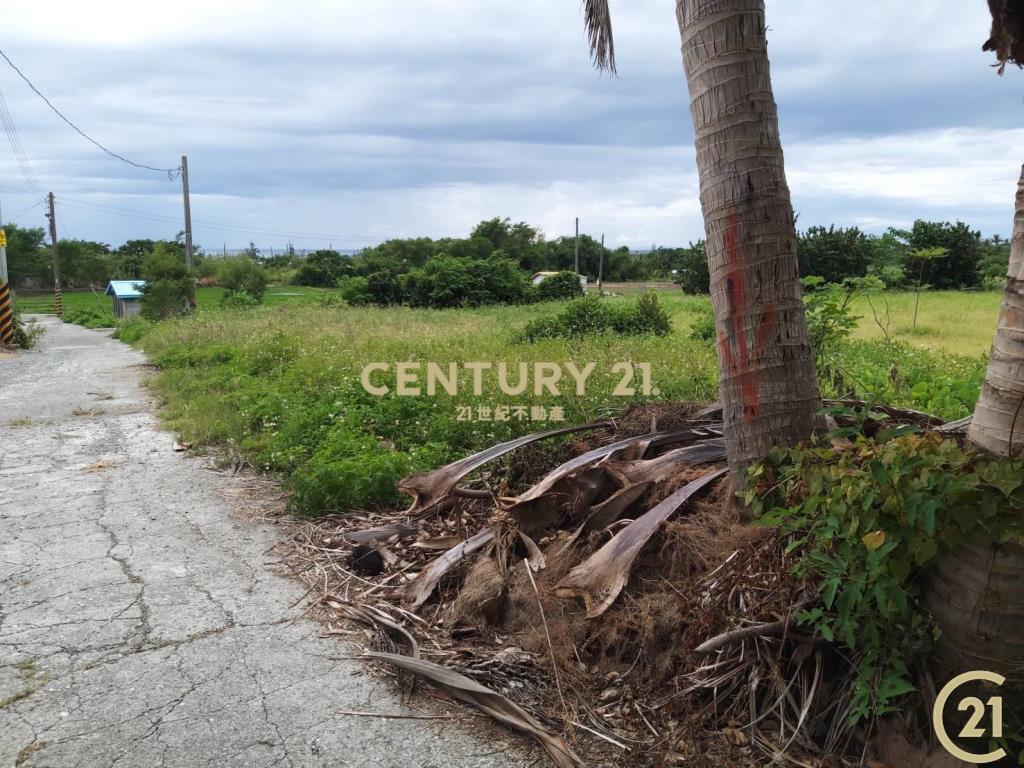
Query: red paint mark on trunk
x=736, y=352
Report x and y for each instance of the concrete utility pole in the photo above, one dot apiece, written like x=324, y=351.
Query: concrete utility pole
x=577, y=245
x=3, y=249
x=600, y=266
x=6, y=310
x=188, y=212
x=52, y=216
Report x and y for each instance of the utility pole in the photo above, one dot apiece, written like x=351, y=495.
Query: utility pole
x=600, y=266
x=3, y=249
x=52, y=216
x=6, y=310
x=577, y=245
x=188, y=212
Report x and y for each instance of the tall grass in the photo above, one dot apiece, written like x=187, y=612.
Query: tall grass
x=280, y=384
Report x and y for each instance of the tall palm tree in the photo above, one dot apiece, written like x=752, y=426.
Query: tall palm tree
x=767, y=381
x=976, y=593
x=998, y=424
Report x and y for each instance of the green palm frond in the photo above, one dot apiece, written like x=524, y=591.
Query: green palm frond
x=598, y=21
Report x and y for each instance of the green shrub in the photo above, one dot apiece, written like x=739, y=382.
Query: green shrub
x=383, y=287
x=704, y=328
x=865, y=524
x=320, y=269
x=448, y=281
x=164, y=298
x=131, y=330
x=169, y=290
x=239, y=300
x=691, y=268
x=26, y=334
x=646, y=316
x=355, y=290
x=827, y=307
x=563, y=285
x=594, y=315
x=240, y=274
x=89, y=317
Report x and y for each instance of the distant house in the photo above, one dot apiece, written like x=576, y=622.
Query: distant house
x=126, y=295
x=539, y=277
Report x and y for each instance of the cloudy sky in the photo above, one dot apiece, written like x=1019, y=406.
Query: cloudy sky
x=348, y=121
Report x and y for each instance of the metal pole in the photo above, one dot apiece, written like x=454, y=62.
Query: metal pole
x=56, y=258
x=188, y=212
x=600, y=267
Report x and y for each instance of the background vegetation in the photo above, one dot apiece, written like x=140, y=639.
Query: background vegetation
x=273, y=373
x=279, y=384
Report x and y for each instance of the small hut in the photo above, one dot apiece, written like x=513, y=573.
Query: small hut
x=126, y=295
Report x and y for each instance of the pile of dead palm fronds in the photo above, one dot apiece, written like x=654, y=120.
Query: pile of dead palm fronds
x=617, y=603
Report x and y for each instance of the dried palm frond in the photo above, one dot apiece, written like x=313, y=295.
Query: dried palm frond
x=598, y=23
x=1007, y=39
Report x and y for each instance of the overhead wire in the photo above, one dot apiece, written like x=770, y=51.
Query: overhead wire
x=20, y=156
x=171, y=172
x=297, y=235
x=10, y=217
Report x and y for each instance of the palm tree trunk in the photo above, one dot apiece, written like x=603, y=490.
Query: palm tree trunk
x=976, y=593
x=998, y=425
x=767, y=380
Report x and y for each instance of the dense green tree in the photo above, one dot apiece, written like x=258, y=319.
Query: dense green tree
x=564, y=285
x=321, y=268
x=994, y=262
x=520, y=242
x=169, y=289
x=28, y=259
x=690, y=268
x=240, y=274
x=84, y=263
x=835, y=253
x=963, y=246
x=450, y=281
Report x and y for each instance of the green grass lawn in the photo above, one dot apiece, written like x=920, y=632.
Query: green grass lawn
x=962, y=322
x=281, y=383
x=206, y=298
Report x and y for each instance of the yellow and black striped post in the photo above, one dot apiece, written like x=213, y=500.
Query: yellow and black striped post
x=6, y=315
x=57, y=303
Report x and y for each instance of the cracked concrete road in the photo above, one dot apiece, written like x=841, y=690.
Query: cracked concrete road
x=139, y=625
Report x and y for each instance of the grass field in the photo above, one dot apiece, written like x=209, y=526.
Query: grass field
x=205, y=297
x=950, y=321
x=280, y=384
x=961, y=322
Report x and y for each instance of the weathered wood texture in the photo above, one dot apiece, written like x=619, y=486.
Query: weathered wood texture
x=767, y=378
x=999, y=414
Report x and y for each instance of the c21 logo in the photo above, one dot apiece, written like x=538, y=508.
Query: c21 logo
x=993, y=707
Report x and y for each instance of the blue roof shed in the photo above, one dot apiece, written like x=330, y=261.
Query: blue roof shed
x=126, y=295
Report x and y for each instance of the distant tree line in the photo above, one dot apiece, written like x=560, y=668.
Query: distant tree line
x=930, y=254
x=493, y=264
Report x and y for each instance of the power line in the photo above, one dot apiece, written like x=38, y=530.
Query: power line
x=20, y=156
x=169, y=171
x=160, y=218
x=12, y=216
x=100, y=208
